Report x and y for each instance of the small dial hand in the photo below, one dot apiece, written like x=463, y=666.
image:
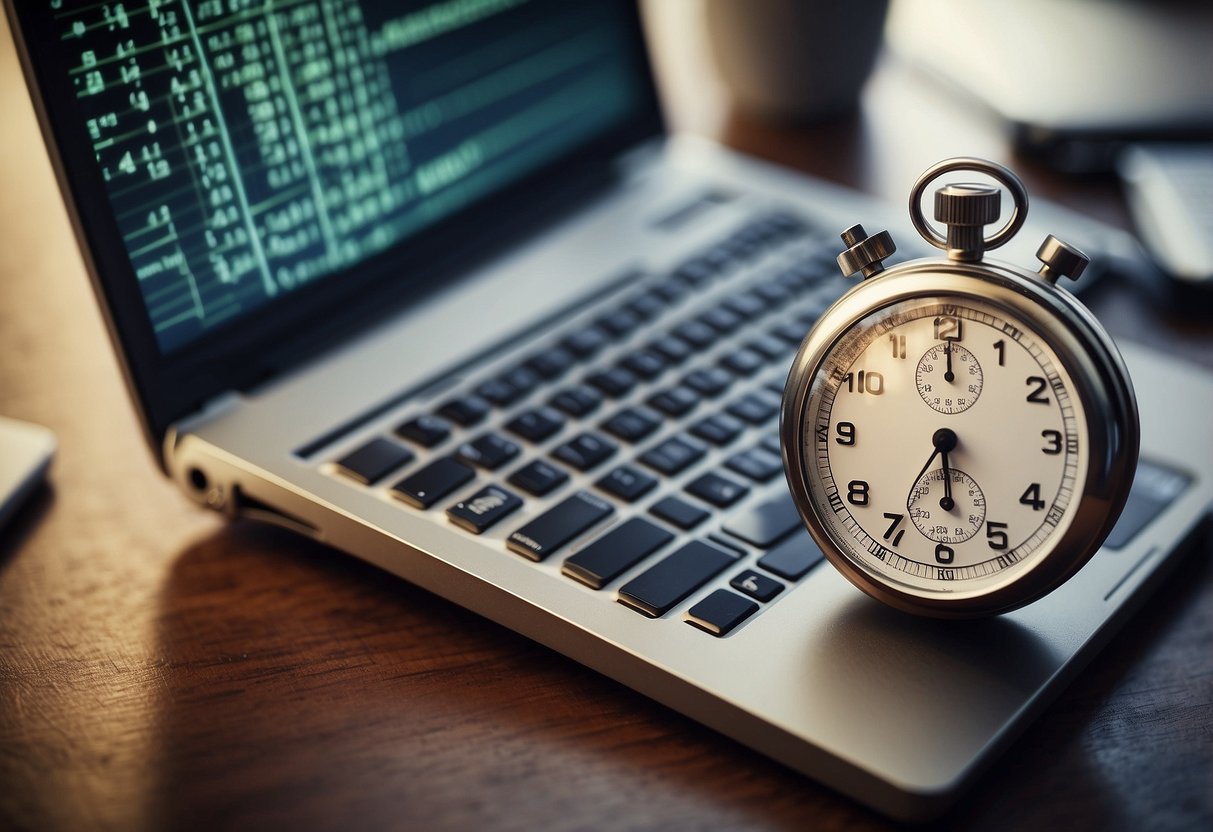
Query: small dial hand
x=946, y=502
x=948, y=375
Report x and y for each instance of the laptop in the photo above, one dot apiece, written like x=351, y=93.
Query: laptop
x=429, y=283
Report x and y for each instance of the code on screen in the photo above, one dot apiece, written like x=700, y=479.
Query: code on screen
x=249, y=148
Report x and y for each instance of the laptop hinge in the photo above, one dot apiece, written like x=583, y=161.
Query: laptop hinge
x=222, y=403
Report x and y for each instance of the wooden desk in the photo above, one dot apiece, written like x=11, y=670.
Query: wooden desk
x=161, y=668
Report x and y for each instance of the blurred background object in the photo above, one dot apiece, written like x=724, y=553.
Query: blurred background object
x=1169, y=188
x=25, y=454
x=795, y=60
x=1068, y=85
x=1073, y=80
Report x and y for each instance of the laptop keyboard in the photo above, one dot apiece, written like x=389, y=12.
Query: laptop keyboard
x=669, y=408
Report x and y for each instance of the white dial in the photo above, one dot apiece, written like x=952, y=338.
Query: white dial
x=936, y=478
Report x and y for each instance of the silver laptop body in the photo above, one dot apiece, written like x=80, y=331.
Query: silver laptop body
x=898, y=713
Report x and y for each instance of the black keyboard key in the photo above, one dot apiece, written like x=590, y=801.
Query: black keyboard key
x=746, y=305
x=792, y=280
x=647, y=305
x=644, y=364
x=721, y=320
x=771, y=443
x=743, y=362
x=539, y=477
x=615, y=382
x=720, y=612
x=785, y=224
x=585, y=450
x=656, y=590
x=632, y=424
x=536, y=425
x=720, y=491
x=765, y=524
x=677, y=401
x=522, y=379
x=489, y=452
x=577, y=400
x=758, y=464
x=768, y=347
x=426, y=430
x=697, y=334
x=750, y=240
x=498, y=392
x=745, y=247
x=790, y=332
x=585, y=342
x=672, y=456
x=551, y=363
x=433, y=482
x=709, y=381
x=696, y=271
x=627, y=483
x=806, y=273
x=759, y=587
x=678, y=512
x=807, y=319
x=619, y=323
x=615, y=552
x=792, y=558
x=719, y=428
x=671, y=290
x=558, y=525
x=756, y=407
x=726, y=542
x=465, y=411
x=373, y=461
x=773, y=294
x=719, y=257
x=673, y=350
x=483, y=509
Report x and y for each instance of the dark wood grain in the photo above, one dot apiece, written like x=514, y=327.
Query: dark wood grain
x=160, y=668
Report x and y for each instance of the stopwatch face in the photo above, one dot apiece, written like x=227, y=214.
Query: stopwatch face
x=944, y=446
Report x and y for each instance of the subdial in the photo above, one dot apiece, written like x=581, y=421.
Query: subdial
x=948, y=378
x=949, y=510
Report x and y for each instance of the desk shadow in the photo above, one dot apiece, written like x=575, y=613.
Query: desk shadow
x=25, y=521
x=302, y=688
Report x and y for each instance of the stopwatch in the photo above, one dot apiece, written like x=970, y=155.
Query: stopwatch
x=959, y=434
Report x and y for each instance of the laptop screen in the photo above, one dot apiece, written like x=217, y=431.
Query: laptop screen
x=250, y=149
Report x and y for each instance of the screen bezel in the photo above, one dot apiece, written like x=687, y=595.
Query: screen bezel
x=273, y=339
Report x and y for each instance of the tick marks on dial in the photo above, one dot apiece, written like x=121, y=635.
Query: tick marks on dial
x=964, y=513
x=949, y=378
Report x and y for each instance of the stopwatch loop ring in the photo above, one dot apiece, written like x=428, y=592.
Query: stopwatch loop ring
x=1019, y=196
